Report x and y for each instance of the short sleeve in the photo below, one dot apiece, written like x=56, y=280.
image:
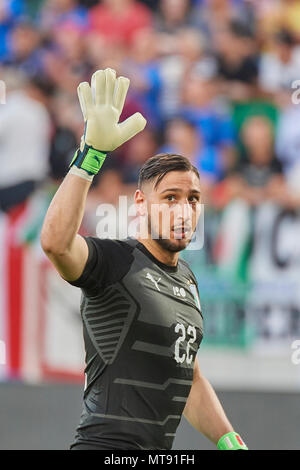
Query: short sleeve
x=108, y=261
x=96, y=267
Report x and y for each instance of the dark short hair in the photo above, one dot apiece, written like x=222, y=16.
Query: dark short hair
x=284, y=36
x=161, y=164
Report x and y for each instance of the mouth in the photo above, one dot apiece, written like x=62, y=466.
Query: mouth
x=181, y=232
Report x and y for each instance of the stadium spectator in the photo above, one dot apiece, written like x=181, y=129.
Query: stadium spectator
x=56, y=12
x=188, y=53
x=211, y=15
x=142, y=68
x=27, y=52
x=171, y=15
x=24, y=141
x=260, y=169
x=274, y=16
x=288, y=141
x=66, y=61
x=183, y=138
x=119, y=20
x=10, y=13
x=66, y=133
x=281, y=65
x=237, y=60
x=199, y=106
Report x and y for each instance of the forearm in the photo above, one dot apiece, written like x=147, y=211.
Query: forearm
x=204, y=411
x=101, y=105
x=64, y=215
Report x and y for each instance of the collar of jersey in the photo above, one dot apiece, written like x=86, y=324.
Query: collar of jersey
x=165, y=267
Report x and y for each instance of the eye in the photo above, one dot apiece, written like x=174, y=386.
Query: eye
x=194, y=199
x=170, y=196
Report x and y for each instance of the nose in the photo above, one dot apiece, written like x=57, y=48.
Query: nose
x=183, y=213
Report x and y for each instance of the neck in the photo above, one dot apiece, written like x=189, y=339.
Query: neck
x=162, y=255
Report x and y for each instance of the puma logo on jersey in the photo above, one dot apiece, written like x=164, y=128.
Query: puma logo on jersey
x=149, y=276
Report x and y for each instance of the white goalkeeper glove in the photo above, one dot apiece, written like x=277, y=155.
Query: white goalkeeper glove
x=101, y=106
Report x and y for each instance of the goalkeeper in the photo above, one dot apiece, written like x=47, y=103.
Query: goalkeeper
x=142, y=318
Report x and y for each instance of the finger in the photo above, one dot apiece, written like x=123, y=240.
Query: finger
x=122, y=85
x=110, y=82
x=85, y=98
x=98, y=84
x=132, y=126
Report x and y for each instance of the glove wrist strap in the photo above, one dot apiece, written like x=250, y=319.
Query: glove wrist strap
x=88, y=159
x=74, y=170
x=231, y=441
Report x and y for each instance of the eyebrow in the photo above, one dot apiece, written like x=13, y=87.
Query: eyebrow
x=196, y=191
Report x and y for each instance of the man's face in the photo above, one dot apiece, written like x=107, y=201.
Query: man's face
x=173, y=209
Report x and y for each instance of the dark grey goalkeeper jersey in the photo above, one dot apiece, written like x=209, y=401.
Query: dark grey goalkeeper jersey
x=142, y=326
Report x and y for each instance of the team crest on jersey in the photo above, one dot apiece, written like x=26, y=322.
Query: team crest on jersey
x=194, y=291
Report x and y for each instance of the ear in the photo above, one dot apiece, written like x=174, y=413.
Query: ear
x=140, y=203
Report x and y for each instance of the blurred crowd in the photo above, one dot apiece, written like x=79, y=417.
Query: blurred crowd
x=217, y=80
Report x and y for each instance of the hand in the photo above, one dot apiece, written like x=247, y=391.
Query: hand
x=101, y=106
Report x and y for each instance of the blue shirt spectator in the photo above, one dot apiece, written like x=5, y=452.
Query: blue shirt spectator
x=50, y=16
x=207, y=160
x=10, y=13
x=183, y=138
x=216, y=129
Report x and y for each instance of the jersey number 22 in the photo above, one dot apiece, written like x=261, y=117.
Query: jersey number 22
x=190, y=331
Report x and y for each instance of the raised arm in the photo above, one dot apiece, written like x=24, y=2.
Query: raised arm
x=101, y=105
